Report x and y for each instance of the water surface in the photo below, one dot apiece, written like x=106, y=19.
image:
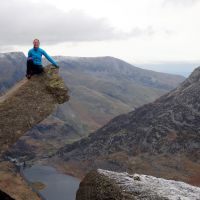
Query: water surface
x=58, y=186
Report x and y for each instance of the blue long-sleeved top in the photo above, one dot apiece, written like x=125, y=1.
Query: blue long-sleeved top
x=36, y=55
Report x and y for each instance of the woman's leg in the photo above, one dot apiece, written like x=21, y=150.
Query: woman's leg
x=38, y=69
x=29, y=70
x=33, y=69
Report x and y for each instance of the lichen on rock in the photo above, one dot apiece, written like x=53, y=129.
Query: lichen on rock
x=55, y=84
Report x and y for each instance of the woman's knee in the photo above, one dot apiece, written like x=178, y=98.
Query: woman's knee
x=29, y=61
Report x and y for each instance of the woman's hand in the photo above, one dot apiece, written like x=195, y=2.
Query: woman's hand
x=56, y=66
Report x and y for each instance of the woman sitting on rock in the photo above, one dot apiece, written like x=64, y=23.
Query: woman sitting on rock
x=34, y=60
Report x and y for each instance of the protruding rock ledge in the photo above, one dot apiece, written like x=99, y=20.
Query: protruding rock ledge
x=28, y=103
x=104, y=185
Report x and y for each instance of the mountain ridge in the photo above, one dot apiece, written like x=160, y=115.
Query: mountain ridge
x=108, y=63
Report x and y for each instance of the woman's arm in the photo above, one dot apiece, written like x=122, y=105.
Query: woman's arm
x=49, y=58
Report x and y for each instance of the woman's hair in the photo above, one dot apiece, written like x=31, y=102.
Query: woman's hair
x=37, y=40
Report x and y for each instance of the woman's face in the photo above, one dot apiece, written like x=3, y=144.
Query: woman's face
x=36, y=43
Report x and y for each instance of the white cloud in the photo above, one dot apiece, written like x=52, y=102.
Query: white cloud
x=129, y=29
x=22, y=21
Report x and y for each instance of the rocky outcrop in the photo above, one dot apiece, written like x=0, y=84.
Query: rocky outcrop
x=107, y=185
x=30, y=102
x=161, y=138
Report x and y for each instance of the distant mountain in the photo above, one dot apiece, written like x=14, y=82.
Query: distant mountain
x=12, y=69
x=160, y=138
x=104, y=87
x=100, y=89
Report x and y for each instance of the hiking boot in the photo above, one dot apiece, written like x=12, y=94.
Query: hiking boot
x=28, y=76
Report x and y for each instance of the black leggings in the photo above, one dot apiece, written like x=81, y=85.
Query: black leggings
x=33, y=69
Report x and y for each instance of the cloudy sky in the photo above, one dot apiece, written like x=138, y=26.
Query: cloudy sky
x=156, y=34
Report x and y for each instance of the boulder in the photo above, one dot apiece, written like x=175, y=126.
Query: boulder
x=108, y=185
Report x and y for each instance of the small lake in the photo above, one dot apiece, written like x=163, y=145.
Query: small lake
x=58, y=186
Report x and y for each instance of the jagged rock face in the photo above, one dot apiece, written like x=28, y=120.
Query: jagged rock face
x=30, y=102
x=104, y=185
x=167, y=127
